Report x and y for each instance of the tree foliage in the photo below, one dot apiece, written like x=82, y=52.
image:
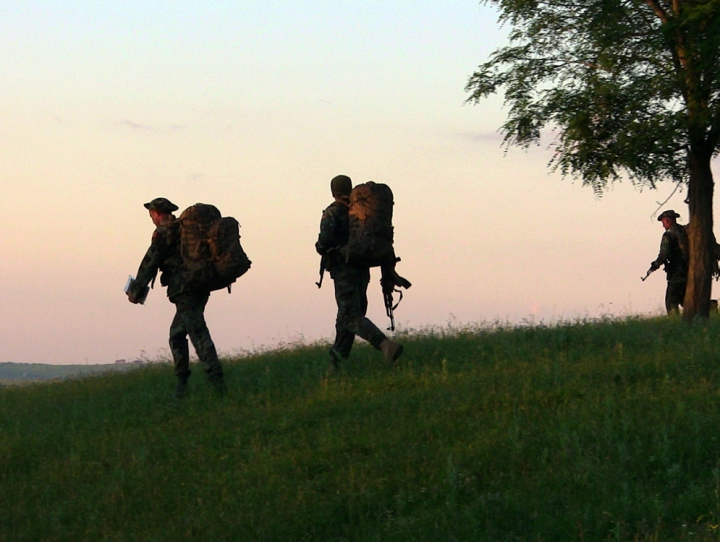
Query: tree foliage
x=617, y=79
x=630, y=88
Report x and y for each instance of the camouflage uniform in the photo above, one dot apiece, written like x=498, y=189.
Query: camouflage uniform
x=676, y=266
x=351, y=283
x=164, y=255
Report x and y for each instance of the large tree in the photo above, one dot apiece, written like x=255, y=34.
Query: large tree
x=630, y=88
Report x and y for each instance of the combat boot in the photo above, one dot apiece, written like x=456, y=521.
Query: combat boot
x=218, y=384
x=181, y=388
x=391, y=351
x=335, y=362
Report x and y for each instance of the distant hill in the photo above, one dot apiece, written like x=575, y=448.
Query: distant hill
x=44, y=371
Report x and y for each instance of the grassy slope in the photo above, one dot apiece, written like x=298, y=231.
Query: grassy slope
x=587, y=431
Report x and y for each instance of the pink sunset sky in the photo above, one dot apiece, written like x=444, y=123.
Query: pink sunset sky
x=254, y=108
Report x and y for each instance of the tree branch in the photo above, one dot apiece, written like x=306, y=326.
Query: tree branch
x=659, y=11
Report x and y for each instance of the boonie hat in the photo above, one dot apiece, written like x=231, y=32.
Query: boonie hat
x=161, y=204
x=668, y=214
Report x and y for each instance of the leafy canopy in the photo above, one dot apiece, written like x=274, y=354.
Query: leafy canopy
x=628, y=86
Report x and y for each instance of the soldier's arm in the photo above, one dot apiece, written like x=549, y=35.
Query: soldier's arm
x=664, y=253
x=327, y=240
x=150, y=264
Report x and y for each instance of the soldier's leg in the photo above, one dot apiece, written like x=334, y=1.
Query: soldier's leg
x=180, y=353
x=191, y=309
x=681, y=296
x=344, y=338
x=674, y=296
x=179, y=346
x=355, y=303
x=367, y=330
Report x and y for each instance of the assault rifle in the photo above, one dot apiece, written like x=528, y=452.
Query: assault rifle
x=650, y=272
x=323, y=267
x=390, y=279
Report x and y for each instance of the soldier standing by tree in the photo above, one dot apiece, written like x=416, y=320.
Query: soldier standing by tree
x=164, y=255
x=351, y=281
x=674, y=256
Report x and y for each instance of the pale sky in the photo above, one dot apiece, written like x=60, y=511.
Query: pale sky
x=254, y=106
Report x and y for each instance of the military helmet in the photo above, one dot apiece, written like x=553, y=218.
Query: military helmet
x=341, y=185
x=668, y=214
x=161, y=204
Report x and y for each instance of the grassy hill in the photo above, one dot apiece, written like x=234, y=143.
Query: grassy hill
x=585, y=431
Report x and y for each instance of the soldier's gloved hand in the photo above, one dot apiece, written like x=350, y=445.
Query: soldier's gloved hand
x=654, y=266
x=131, y=298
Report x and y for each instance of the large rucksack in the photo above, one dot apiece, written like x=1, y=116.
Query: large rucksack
x=370, y=242
x=210, y=248
x=371, y=236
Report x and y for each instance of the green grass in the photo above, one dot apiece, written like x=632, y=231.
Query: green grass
x=583, y=431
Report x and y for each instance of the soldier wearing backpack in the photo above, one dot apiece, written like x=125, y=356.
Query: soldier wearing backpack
x=674, y=256
x=351, y=281
x=164, y=255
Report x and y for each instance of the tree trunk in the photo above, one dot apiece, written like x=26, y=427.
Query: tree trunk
x=700, y=234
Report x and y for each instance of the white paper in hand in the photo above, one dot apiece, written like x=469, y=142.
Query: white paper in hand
x=141, y=299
